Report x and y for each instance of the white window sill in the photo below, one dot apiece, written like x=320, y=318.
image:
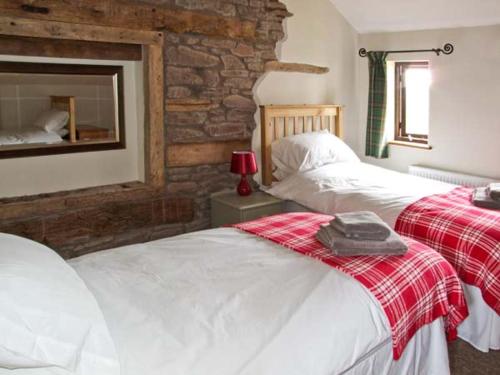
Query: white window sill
x=422, y=146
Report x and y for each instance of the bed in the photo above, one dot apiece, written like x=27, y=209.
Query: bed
x=350, y=185
x=50, y=127
x=219, y=301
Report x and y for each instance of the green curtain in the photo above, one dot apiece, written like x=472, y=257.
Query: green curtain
x=376, y=144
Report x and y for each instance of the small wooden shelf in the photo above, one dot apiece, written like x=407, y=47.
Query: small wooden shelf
x=280, y=66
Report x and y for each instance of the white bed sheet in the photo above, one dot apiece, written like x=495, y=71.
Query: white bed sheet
x=28, y=136
x=225, y=302
x=344, y=187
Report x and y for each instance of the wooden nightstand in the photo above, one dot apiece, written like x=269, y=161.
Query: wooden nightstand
x=230, y=208
x=89, y=132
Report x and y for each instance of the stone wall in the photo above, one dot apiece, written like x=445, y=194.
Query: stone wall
x=219, y=73
x=209, y=98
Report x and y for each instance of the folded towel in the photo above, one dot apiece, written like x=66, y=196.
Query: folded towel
x=480, y=198
x=342, y=246
x=493, y=190
x=361, y=225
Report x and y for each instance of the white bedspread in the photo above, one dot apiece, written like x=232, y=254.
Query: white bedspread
x=225, y=302
x=344, y=187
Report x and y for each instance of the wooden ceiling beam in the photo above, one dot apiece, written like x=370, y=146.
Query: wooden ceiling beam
x=24, y=46
x=127, y=14
x=26, y=27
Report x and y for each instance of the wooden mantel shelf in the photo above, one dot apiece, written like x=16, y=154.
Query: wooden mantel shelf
x=280, y=66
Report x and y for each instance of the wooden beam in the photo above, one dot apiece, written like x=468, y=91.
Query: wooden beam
x=191, y=154
x=24, y=46
x=279, y=66
x=188, y=105
x=61, y=30
x=154, y=136
x=129, y=14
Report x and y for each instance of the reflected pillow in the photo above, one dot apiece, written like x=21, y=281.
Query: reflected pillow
x=48, y=317
x=302, y=152
x=52, y=120
x=62, y=132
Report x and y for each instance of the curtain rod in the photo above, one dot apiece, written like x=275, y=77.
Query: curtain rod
x=447, y=50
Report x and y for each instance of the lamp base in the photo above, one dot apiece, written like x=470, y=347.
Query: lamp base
x=244, y=187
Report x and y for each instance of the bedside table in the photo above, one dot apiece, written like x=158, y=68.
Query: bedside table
x=230, y=208
x=89, y=132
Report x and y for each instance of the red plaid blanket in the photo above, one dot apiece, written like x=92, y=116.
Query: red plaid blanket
x=414, y=289
x=466, y=235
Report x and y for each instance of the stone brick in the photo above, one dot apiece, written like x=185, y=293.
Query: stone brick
x=243, y=50
x=219, y=43
x=226, y=130
x=232, y=62
x=178, y=92
x=240, y=102
x=186, y=118
x=186, y=135
x=235, y=115
x=186, y=56
x=239, y=83
x=234, y=73
x=211, y=77
x=182, y=76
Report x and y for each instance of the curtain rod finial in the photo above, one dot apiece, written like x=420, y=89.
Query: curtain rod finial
x=362, y=52
x=448, y=49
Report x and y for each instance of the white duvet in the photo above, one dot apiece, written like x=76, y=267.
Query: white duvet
x=225, y=302
x=355, y=186
x=344, y=187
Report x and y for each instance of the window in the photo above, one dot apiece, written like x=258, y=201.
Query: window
x=412, y=102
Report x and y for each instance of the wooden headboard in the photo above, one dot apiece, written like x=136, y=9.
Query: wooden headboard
x=278, y=121
x=66, y=103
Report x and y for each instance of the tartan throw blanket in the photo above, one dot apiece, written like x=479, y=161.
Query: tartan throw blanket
x=466, y=235
x=413, y=289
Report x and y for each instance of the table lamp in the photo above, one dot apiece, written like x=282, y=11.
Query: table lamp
x=244, y=163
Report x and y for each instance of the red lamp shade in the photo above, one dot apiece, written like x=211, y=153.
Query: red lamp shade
x=244, y=163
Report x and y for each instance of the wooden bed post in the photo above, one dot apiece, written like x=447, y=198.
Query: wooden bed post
x=266, y=136
x=339, y=121
x=67, y=103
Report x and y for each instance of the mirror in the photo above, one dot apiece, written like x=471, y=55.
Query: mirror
x=60, y=108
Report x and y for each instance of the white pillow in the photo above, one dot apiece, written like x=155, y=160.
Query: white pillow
x=52, y=120
x=62, y=132
x=48, y=317
x=302, y=152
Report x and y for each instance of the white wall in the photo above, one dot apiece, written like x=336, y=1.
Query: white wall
x=464, y=99
x=316, y=34
x=44, y=174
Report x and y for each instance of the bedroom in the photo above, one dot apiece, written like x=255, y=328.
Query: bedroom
x=221, y=61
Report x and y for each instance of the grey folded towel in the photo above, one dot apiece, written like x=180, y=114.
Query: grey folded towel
x=343, y=246
x=361, y=225
x=493, y=190
x=480, y=198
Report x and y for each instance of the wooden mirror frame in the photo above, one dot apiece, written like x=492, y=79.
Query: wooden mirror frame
x=152, y=44
x=68, y=103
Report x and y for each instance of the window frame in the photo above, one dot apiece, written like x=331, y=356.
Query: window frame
x=400, y=133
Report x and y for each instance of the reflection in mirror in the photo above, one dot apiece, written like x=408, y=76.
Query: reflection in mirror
x=60, y=108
